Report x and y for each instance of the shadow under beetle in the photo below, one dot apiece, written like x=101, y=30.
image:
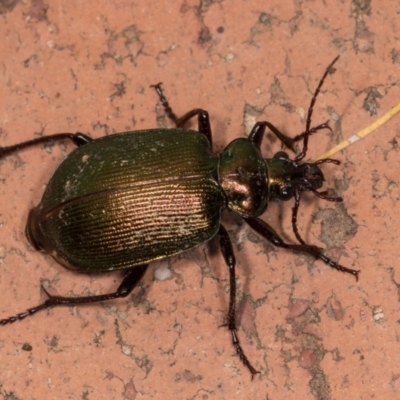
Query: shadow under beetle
x=122, y=201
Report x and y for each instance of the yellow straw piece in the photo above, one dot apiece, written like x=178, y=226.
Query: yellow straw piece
x=366, y=131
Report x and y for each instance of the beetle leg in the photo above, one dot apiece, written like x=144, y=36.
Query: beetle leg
x=295, y=211
x=131, y=279
x=202, y=115
x=229, y=257
x=317, y=128
x=203, y=121
x=79, y=139
x=268, y=233
x=257, y=134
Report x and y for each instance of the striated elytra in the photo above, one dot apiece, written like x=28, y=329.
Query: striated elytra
x=122, y=201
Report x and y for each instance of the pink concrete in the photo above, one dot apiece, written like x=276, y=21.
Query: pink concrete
x=313, y=333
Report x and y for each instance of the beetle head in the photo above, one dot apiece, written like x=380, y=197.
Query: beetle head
x=288, y=177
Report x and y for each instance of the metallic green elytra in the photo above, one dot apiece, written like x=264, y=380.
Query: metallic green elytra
x=122, y=201
x=129, y=199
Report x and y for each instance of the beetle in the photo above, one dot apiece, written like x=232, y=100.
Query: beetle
x=125, y=200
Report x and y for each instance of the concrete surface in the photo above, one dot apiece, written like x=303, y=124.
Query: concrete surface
x=314, y=333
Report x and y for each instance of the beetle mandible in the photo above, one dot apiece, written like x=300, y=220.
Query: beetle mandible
x=124, y=200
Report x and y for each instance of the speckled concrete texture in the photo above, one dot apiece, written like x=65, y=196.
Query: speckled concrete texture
x=314, y=333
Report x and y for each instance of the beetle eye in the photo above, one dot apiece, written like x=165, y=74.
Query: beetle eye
x=285, y=193
x=281, y=155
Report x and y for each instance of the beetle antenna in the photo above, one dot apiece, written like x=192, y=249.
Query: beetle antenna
x=303, y=153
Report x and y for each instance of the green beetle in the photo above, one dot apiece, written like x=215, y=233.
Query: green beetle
x=122, y=201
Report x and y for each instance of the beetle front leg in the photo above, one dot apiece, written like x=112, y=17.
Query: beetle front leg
x=131, y=279
x=78, y=138
x=257, y=133
x=269, y=233
x=229, y=257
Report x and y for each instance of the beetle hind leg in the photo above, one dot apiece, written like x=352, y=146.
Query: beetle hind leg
x=78, y=138
x=131, y=279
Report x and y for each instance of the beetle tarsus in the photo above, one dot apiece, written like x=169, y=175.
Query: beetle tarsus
x=168, y=110
x=242, y=356
x=24, y=314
